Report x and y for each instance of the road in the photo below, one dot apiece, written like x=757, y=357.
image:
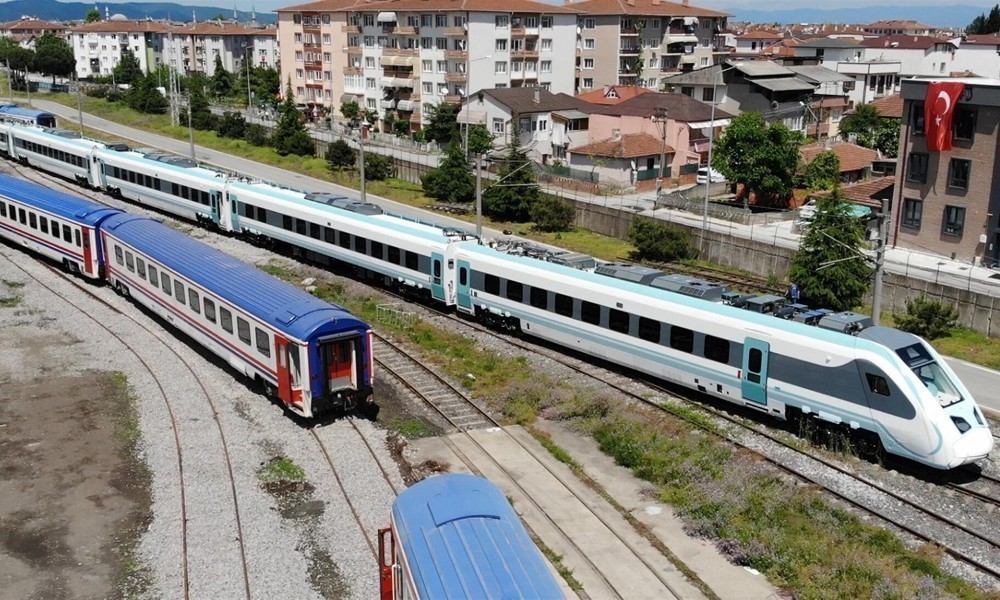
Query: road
x=982, y=382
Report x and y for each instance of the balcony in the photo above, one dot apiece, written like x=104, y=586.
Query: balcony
x=400, y=30
x=453, y=99
x=629, y=31
x=456, y=54
x=354, y=51
x=415, y=116
x=680, y=35
x=454, y=31
x=353, y=71
x=400, y=51
x=524, y=53
x=314, y=64
x=350, y=28
x=629, y=51
x=388, y=104
x=456, y=77
x=408, y=106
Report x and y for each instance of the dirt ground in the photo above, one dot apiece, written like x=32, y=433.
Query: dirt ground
x=72, y=499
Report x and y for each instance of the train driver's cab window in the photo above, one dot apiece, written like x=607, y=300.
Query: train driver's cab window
x=939, y=384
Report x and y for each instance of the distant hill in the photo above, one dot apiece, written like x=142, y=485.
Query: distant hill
x=939, y=16
x=50, y=10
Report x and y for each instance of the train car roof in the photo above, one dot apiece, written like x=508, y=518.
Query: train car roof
x=16, y=109
x=67, y=206
x=65, y=136
x=750, y=317
x=284, y=306
x=419, y=229
x=196, y=170
x=463, y=539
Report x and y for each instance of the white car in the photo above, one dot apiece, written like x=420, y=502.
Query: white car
x=703, y=175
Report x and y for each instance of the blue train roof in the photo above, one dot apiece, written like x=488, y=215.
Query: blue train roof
x=71, y=208
x=833, y=337
x=287, y=308
x=14, y=109
x=463, y=540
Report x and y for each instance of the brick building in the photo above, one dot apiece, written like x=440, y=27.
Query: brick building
x=945, y=202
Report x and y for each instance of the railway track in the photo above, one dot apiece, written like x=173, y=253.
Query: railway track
x=454, y=407
x=185, y=500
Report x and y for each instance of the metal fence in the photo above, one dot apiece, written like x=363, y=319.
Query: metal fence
x=563, y=171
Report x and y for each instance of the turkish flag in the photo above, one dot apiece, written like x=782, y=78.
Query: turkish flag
x=939, y=106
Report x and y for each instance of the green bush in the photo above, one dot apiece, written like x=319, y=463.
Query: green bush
x=340, y=155
x=256, y=134
x=659, y=242
x=96, y=91
x=232, y=125
x=927, y=318
x=378, y=167
x=551, y=213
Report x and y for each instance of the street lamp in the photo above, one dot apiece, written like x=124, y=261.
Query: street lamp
x=660, y=118
x=248, y=51
x=468, y=95
x=361, y=149
x=711, y=144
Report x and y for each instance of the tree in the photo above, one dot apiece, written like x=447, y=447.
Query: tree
x=128, y=69
x=516, y=190
x=762, y=157
x=201, y=115
x=351, y=110
x=927, y=318
x=552, y=213
x=340, y=156
x=871, y=130
x=451, y=181
x=655, y=240
x=222, y=80
x=378, y=167
x=290, y=136
x=144, y=97
x=985, y=25
x=480, y=139
x=92, y=15
x=442, y=122
x=829, y=267
x=54, y=56
x=232, y=125
x=823, y=173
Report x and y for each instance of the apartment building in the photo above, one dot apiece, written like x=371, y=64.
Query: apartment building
x=638, y=42
x=26, y=30
x=403, y=54
x=945, y=201
x=188, y=48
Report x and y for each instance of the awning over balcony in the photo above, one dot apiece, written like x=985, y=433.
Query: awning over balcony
x=471, y=116
x=408, y=105
x=388, y=104
x=397, y=82
x=346, y=98
x=396, y=61
x=682, y=38
x=707, y=124
x=390, y=17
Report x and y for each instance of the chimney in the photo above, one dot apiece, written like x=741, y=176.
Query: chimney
x=607, y=89
x=538, y=96
x=656, y=2
x=616, y=135
x=686, y=2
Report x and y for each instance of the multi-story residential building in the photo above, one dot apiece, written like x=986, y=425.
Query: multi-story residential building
x=916, y=54
x=979, y=54
x=26, y=30
x=404, y=54
x=192, y=48
x=946, y=202
x=753, y=43
x=638, y=42
x=98, y=46
x=189, y=48
x=874, y=77
x=900, y=27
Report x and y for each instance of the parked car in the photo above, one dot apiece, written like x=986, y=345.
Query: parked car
x=808, y=210
x=703, y=176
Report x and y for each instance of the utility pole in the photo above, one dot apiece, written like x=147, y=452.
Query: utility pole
x=660, y=118
x=190, y=128
x=361, y=146
x=479, y=197
x=79, y=102
x=883, y=234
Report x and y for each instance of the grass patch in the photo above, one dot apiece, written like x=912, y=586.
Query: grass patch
x=9, y=301
x=14, y=285
x=280, y=468
x=411, y=428
x=556, y=559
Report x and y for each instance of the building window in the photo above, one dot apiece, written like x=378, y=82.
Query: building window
x=958, y=173
x=497, y=125
x=708, y=95
x=502, y=21
x=500, y=68
x=588, y=63
x=964, y=125
x=954, y=220
x=913, y=210
x=440, y=20
x=368, y=19
x=917, y=118
x=918, y=168
x=442, y=66
x=590, y=23
x=546, y=66
x=326, y=39
x=588, y=83
x=426, y=20
x=589, y=44
x=547, y=22
x=500, y=46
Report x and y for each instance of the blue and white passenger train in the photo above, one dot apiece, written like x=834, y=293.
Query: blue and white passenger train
x=312, y=355
x=457, y=536
x=875, y=381
x=15, y=113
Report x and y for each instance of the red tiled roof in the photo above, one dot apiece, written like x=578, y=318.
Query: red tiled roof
x=525, y=6
x=867, y=193
x=889, y=106
x=759, y=35
x=623, y=92
x=641, y=7
x=33, y=24
x=680, y=107
x=852, y=157
x=904, y=42
x=992, y=39
x=216, y=28
x=898, y=24
x=633, y=145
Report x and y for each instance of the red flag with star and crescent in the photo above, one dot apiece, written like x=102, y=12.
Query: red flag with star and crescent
x=939, y=106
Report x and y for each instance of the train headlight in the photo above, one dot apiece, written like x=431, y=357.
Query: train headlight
x=961, y=423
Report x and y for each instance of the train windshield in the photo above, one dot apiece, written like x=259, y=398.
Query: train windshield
x=930, y=373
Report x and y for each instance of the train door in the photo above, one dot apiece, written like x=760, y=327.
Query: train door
x=340, y=364
x=754, y=379
x=213, y=202
x=386, y=562
x=464, y=283
x=89, y=262
x=284, y=371
x=437, y=276
x=228, y=217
